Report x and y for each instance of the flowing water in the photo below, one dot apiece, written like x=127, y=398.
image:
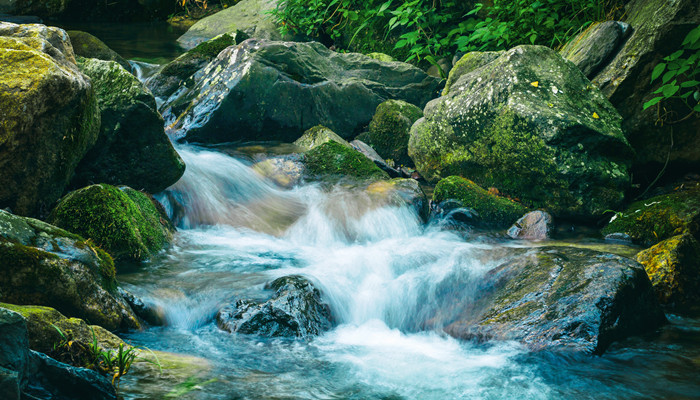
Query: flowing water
x=386, y=276
x=389, y=278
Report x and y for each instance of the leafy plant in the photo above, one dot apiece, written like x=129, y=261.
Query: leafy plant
x=680, y=75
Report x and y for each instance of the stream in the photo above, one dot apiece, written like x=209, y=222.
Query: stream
x=385, y=275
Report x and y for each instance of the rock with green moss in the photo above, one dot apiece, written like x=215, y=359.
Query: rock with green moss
x=468, y=63
x=264, y=90
x=381, y=57
x=674, y=269
x=593, y=48
x=332, y=160
x=560, y=298
x=41, y=264
x=658, y=29
x=389, y=130
x=89, y=46
x=317, y=136
x=48, y=116
x=530, y=124
x=248, y=16
x=491, y=210
x=180, y=71
x=132, y=148
x=658, y=218
x=128, y=224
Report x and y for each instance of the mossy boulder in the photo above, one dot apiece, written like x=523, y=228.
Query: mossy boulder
x=317, y=136
x=89, y=46
x=295, y=309
x=658, y=29
x=49, y=116
x=248, y=16
x=530, y=124
x=41, y=264
x=658, y=218
x=491, y=209
x=560, y=298
x=674, y=269
x=179, y=71
x=332, y=160
x=264, y=90
x=389, y=130
x=593, y=48
x=132, y=148
x=381, y=57
x=128, y=224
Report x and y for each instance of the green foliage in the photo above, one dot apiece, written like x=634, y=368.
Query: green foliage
x=427, y=30
x=680, y=74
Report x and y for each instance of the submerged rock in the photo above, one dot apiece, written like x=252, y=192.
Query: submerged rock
x=89, y=46
x=535, y=225
x=285, y=171
x=399, y=192
x=491, y=210
x=295, y=309
x=530, y=124
x=389, y=130
x=248, y=16
x=658, y=218
x=562, y=299
x=263, y=90
x=41, y=264
x=128, y=224
x=673, y=266
x=48, y=116
x=132, y=148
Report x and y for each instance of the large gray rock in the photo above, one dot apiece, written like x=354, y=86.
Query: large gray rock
x=658, y=28
x=132, y=148
x=41, y=264
x=263, y=90
x=528, y=123
x=592, y=49
x=249, y=16
x=295, y=309
x=562, y=299
x=89, y=46
x=48, y=116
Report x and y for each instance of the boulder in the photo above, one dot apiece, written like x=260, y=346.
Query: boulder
x=128, y=224
x=673, y=266
x=535, y=225
x=369, y=152
x=285, y=171
x=491, y=210
x=132, y=148
x=389, y=130
x=248, y=16
x=263, y=90
x=399, y=192
x=180, y=71
x=317, y=136
x=294, y=310
x=14, y=353
x=530, y=124
x=48, y=116
x=332, y=160
x=593, y=48
x=564, y=299
x=41, y=264
x=658, y=28
x=89, y=46
x=652, y=220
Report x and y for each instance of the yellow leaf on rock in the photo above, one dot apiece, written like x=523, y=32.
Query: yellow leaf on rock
x=535, y=83
x=595, y=115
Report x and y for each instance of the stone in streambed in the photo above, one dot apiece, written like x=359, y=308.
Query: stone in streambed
x=535, y=225
x=89, y=46
x=295, y=310
x=333, y=160
x=128, y=224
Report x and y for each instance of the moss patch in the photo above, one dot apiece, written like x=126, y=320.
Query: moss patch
x=493, y=210
x=389, y=130
x=125, y=223
x=658, y=218
x=334, y=159
x=188, y=63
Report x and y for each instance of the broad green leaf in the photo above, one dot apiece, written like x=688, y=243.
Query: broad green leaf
x=670, y=90
x=652, y=102
x=658, y=70
x=667, y=76
x=688, y=84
